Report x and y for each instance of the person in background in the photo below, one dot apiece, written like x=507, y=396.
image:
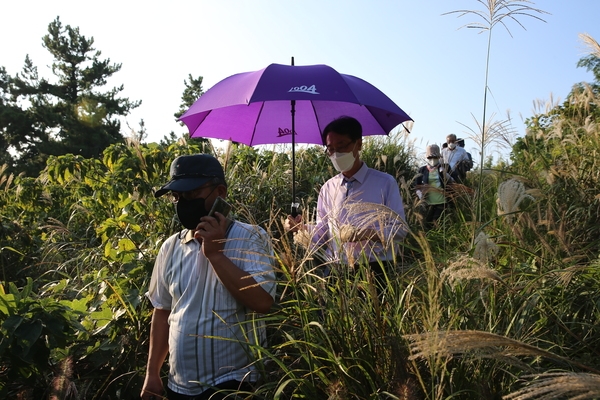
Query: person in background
x=431, y=183
x=207, y=282
x=453, y=155
x=466, y=165
x=353, y=208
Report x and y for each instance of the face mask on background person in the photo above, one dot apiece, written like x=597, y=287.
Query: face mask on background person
x=451, y=146
x=342, y=162
x=433, y=161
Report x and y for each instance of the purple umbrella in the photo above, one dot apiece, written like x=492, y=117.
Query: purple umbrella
x=266, y=106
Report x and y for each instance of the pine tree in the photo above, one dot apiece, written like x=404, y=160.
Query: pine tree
x=192, y=92
x=72, y=115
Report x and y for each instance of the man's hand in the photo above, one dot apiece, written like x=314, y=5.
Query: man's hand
x=292, y=224
x=157, y=352
x=153, y=389
x=240, y=284
x=211, y=231
x=348, y=233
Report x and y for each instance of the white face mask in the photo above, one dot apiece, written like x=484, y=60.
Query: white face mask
x=433, y=161
x=451, y=146
x=342, y=162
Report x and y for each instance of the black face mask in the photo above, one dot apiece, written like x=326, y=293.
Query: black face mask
x=189, y=212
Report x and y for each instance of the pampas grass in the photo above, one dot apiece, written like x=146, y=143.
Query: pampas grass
x=494, y=12
x=387, y=223
x=468, y=268
x=479, y=343
x=593, y=48
x=485, y=248
x=559, y=385
x=6, y=179
x=511, y=194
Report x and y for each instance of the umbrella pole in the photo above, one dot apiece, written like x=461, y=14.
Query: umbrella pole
x=294, y=203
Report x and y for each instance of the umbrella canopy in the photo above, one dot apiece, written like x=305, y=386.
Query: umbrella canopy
x=266, y=106
x=254, y=107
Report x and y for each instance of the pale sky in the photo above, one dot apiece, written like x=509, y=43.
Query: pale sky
x=418, y=57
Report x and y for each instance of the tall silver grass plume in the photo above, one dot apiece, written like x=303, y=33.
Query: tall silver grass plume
x=485, y=248
x=496, y=11
x=499, y=133
x=467, y=268
x=511, y=194
x=302, y=238
x=387, y=222
x=593, y=48
x=5, y=179
x=565, y=276
x=479, y=343
x=559, y=385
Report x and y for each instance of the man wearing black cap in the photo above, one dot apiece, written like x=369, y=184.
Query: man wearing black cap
x=454, y=155
x=207, y=281
x=465, y=165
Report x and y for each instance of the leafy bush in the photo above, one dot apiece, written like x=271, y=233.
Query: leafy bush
x=83, y=237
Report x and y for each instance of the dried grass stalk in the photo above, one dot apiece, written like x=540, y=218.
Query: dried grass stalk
x=386, y=222
x=479, y=343
x=511, y=194
x=485, y=248
x=5, y=178
x=559, y=385
x=466, y=268
x=592, y=45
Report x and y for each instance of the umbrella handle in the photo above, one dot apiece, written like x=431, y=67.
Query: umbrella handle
x=295, y=209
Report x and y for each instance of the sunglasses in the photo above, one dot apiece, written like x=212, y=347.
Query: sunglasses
x=329, y=150
x=189, y=195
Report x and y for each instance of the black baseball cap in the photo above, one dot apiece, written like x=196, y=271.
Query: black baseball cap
x=190, y=172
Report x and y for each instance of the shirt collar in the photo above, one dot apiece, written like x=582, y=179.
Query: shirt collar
x=359, y=176
x=189, y=236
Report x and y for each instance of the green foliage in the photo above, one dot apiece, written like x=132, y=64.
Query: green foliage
x=78, y=244
x=559, y=157
x=40, y=118
x=503, y=290
x=97, y=228
x=34, y=329
x=193, y=90
x=333, y=338
x=394, y=154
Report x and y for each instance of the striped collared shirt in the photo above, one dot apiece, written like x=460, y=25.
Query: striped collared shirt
x=203, y=312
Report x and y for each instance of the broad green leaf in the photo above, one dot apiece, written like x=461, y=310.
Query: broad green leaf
x=102, y=318
x=8, y=304
x=79, y=305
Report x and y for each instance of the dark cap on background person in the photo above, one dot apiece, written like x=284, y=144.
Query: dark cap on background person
x=190, y=172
